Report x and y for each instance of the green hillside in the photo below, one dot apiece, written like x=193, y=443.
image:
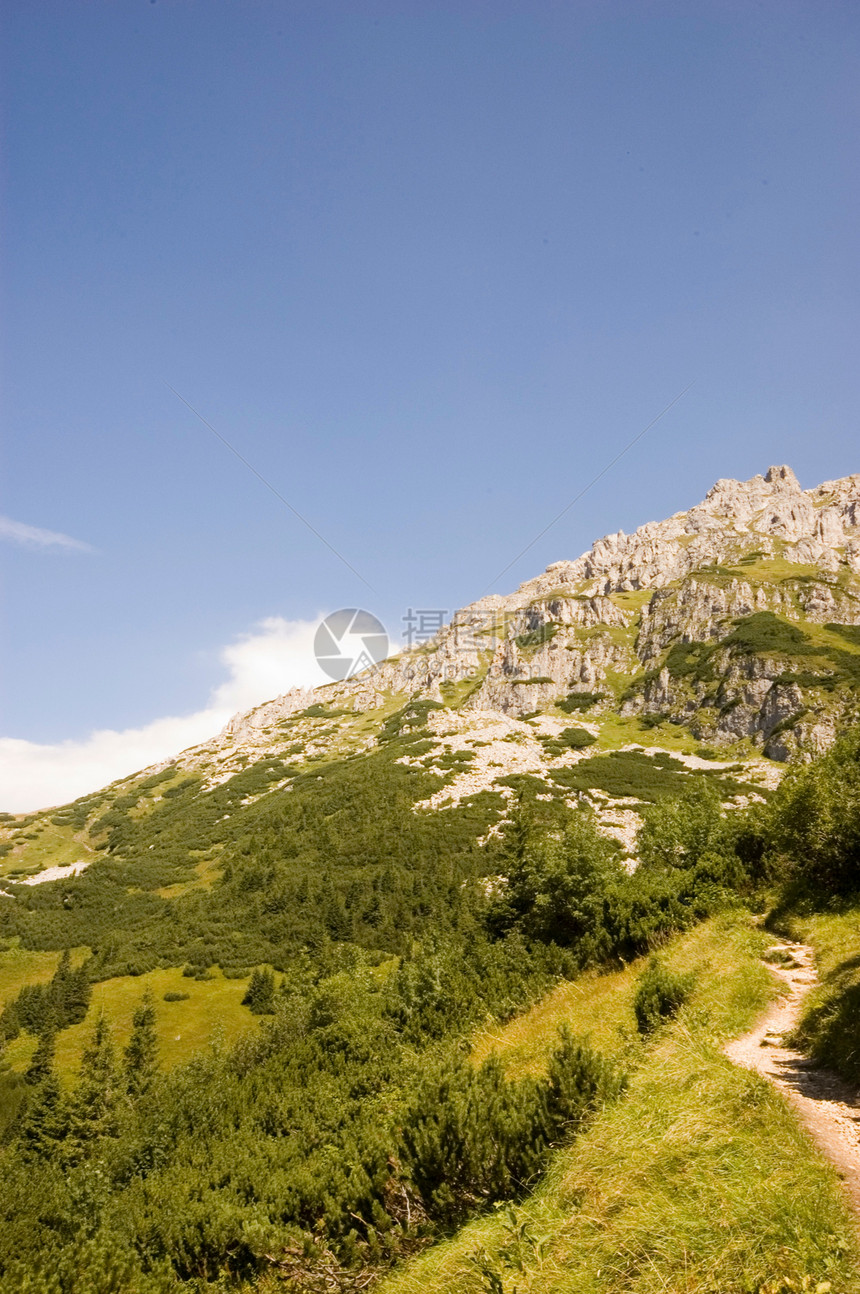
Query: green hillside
x=359, y=993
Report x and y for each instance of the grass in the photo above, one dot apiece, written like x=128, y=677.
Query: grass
x=830, y=1024
x=53, y=847
x=633, y=599
x=212, y=1011
x=599, y=1005
x=456, y=694
x=207, y=869
x=20, y=966
x=699, y=1181
x=769, y=570
x=621, y=730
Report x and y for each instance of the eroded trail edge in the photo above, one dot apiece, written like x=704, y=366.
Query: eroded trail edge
x=828, y=1106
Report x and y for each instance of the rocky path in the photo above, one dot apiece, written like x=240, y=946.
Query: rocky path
x=828, y=1106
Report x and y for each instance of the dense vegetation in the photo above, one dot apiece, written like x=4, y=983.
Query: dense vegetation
x=352, y=1126
x=699, y=1180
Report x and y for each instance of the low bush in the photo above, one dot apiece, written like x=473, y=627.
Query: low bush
x=579, y=701
x=627, y=773
x=537, y=637
x=660, y=995
x=473, y=1137
x=568, y=739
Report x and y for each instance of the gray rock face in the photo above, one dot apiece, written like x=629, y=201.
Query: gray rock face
x=579, y=626
x=772, y=510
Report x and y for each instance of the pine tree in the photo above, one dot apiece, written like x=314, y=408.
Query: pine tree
x=43, y=1125
x=41, y=1063
x=60, y=988
x=94, y=1112
x=260, y=995
x=140, y=1058
x=44, y=1122
x=78, y=993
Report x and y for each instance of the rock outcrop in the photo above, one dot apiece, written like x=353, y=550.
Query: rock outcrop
x=612, y=624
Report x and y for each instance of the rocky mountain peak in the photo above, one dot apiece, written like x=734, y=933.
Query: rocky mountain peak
x=584, y=625
x=782, y=477
x=770, y=514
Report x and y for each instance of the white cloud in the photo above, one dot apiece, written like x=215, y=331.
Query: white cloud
x=33, y=537
x=276, y=656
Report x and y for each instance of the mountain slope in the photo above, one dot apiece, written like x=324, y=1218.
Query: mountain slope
x=706, y=641
x=389, y=867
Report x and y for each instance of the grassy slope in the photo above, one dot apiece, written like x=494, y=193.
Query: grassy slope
x=20, y=966
x=212, y=1012
x=830, y=1025
x=698, y=1181
x=51, y=846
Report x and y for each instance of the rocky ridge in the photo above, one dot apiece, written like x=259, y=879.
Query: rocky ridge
x=726, y=637
x=603, y=624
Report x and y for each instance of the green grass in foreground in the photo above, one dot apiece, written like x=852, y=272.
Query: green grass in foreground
x=699, y=1181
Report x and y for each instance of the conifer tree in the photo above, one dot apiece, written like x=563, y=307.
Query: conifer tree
x=44, y=1123
x=78, y=993
x=140, y=1058
x=94, y=1110
x=260, y=994
x=41, y=1063
x=60, y=986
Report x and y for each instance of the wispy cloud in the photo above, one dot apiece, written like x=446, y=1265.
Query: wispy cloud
x=34, y=537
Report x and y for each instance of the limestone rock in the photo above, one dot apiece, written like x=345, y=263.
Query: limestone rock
x=570, y=629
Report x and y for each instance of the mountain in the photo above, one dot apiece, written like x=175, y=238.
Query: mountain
x=292, y=1007
x=725, y=637
x=733, y=619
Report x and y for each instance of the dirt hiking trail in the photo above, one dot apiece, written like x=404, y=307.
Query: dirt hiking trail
x=828, y=1106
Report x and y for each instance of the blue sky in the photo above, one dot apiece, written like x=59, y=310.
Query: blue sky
x=428, y=267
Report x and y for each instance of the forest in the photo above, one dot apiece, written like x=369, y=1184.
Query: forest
x=352, y=1127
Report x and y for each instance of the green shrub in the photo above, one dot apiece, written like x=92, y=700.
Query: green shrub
x=556, y=887
x=813, y=831
x=626, y=773
x=260, y=995
x=579, y=701
x=660, y=994
x=473, y=1137
x=536, y=637
x=568, y=739
x=765, y=632
x=691, y=660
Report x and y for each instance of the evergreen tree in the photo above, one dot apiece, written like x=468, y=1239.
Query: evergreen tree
x=78, y=992
x=336, y=919
x=41, y=1064
x=260, y=995
x=140, y=1058
x=94, y=1112
x=556, y=889
x=43, y=1125
x=60, y=987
